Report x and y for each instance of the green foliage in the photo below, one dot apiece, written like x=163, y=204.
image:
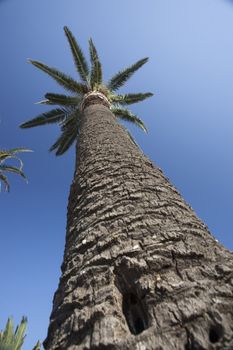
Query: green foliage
x=62, y=100
x=37, y=346
x=62, y=79
x=70, y=129
x=129, y=117
x=69, y=113
x=6, y=155
x=96, y=69
x=120, y=78
x=132, y=139
x=53, y=116
x=78, y=56
x=130, y=98
x=11, y=339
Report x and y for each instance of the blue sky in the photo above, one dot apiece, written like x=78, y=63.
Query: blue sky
x=190, y=121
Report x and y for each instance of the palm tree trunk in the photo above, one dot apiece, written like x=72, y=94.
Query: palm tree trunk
x=140, y=270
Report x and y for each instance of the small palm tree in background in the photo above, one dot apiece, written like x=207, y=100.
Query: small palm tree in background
x=6, y=155
x=11, y=339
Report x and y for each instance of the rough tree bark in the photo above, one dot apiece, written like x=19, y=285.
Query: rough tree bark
x=140, y=270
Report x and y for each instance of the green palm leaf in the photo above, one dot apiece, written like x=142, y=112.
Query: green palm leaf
x=7, y=336
x=120, y=78
x=65, y=141
x=64, y=80
x=12, y=169
x=128, y=99
x=63, y=100
x=19, y=334
x=96, y=69
x=125, y=114
x=6, y=154
x=4, y=180
x=37, y=346
x=70, y=130
x=53, y=116
x=45, y=102
x=18, y=150
x=10, y=340
x=78, y=56
x=132, y=139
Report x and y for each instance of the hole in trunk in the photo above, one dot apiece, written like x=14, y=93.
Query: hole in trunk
x=215, y=333
x=135, y=313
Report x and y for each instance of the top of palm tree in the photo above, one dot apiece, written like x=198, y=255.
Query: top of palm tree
x=90, y=86
x=6, y=155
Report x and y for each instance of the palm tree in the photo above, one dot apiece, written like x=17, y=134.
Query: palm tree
x=13, y=340
x=6, y=155
x=140, y=270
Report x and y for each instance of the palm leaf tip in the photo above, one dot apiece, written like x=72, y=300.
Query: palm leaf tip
x=121, y=77
x=78, y=56
x=53, y=116
x=70, y=131
x=13, y=169
x=10, y=339
x=131, y=98
x=37, y=346
x=4, y=180
x=96, y=67
x=62, y=100
x=19, y=149
x=62, y=79
x=125, y=114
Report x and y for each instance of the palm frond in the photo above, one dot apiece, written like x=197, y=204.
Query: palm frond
x=64, y=141
x=44, y=102
x=71, y=121
x=96, y=68
x=120, y=78
x=10, y=339
x=18, y=150
x=63, y=100
x=4, y=180
x=7, y=154
x=37, y=346
x=53, y=116
x=62, y=79
x=70, y=130
x=125, y=114
x=128, y=99
x=7, y=336
x=78, y=56
x=132, y=139
x=20, y=334
x=12, y=169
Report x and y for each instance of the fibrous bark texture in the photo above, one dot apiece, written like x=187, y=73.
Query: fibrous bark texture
x=140, y=270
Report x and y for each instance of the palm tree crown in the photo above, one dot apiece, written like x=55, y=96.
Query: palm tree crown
x=91, y=86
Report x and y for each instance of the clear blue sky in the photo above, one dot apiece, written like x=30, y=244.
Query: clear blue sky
x=190, y=121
